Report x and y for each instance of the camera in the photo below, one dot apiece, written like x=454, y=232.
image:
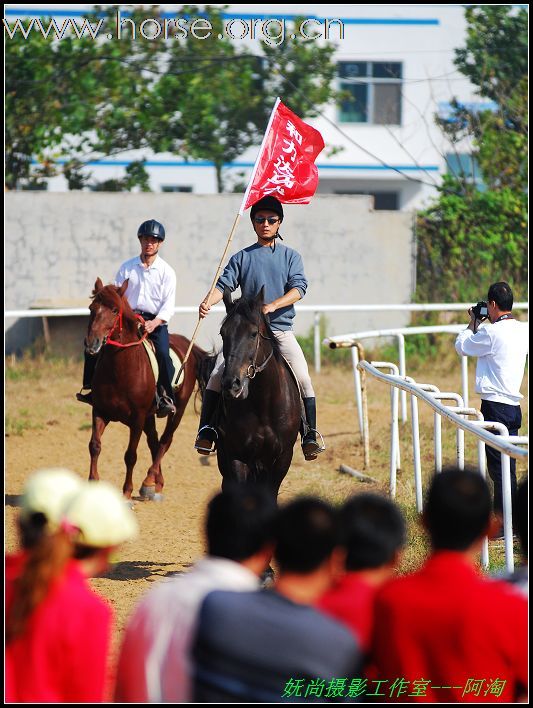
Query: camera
x=481, y=311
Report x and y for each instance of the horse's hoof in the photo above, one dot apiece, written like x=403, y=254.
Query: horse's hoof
x=129, y=503
x=147, y=493
x=158, y=497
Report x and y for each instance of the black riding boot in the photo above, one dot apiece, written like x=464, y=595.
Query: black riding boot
x=207, y=434
x=88, y=373
x=164, y=402
x=310, y=446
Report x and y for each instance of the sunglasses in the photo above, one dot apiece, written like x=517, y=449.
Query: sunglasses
x=261, y=219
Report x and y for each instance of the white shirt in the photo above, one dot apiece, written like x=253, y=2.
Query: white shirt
x=150, y=289
x=501, y=349
x=154, y=664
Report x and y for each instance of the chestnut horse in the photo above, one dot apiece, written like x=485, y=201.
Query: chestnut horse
x=261, y=405
x=123, y=387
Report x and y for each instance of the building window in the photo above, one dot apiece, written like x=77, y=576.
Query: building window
x=175, y=188
x=373, y=92
x=464, y=166
x=383, y=201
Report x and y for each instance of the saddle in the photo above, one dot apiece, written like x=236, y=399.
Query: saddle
x=304, y=428
x=176, y=361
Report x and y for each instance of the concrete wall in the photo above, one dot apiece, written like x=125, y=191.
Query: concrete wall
x=56, y=245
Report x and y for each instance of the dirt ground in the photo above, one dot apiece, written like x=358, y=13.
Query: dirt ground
x=46, y=426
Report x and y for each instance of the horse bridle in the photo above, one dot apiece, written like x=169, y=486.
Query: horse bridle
x=253, y=367
x=118, y=320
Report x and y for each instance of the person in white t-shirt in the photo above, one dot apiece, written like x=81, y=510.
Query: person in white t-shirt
x=501, y=348
x=154, y=664
x=151, y=293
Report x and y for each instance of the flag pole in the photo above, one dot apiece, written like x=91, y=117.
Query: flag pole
x=230, y=238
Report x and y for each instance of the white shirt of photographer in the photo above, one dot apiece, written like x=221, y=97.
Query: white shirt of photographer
x=501, y=350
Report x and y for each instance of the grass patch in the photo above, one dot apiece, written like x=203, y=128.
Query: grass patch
x=18, y=426
x=35, y=367
x=328, y=357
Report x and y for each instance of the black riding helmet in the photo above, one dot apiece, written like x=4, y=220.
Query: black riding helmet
x=268, y=204
x=152, y=228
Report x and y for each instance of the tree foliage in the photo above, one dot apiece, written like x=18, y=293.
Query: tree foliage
x=74, y=100
x=476, y=234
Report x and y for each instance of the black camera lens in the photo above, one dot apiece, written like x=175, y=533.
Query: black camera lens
x=481, y=310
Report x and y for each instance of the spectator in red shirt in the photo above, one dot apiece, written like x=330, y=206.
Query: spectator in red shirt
x=373, y=533
x=57, y=628
x=447, y=633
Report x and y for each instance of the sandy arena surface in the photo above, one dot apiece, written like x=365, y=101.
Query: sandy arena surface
x=46, y=426
x=54, y=430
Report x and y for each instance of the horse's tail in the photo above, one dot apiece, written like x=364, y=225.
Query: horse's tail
x=205, y=363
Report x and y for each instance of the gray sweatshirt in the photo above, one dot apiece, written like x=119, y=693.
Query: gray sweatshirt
x=279, y=269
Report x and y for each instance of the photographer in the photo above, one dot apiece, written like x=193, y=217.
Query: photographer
x=501, y=350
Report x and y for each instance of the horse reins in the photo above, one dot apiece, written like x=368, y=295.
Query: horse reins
x=257, y=369
x=118, y=321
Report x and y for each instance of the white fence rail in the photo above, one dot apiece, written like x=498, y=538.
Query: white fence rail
x=317, y=310
x=350, y=340
x=507, y=445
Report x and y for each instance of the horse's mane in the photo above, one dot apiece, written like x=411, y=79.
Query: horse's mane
x=250, y=309
x=108, y=296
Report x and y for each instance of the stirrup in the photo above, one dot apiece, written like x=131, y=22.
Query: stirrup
x=204, y=445
x=311, y=449
x=85, y=397
x=165, y=406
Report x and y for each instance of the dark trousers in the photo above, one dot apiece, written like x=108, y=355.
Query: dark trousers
x=161, y=343
x=511, y=417
x=166, y=369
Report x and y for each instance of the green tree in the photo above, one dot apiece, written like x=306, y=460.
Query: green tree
x=222, y=94
x=474, y=234
x=76, y=98
x=81, y=100
x=301, y=72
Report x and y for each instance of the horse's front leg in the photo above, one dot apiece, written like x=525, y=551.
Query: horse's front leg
x=95, y=444
x=130, y=456
x=148, y=486
x=236, y=471
x=154, y=481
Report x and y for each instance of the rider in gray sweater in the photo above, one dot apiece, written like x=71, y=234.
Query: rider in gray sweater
x=280, y=271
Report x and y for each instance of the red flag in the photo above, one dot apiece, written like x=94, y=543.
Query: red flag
x=285, y=167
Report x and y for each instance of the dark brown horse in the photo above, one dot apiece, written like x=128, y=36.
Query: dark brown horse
x=261, y=403
x=124, y=385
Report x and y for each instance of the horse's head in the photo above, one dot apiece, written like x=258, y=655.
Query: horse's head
x=106, y=308
x=243, y=332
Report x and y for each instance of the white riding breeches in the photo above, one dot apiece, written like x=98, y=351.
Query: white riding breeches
x=291, y=351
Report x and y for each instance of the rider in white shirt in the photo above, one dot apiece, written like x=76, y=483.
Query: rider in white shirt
x=151, y=293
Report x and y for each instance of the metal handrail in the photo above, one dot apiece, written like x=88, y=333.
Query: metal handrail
x=493, y=440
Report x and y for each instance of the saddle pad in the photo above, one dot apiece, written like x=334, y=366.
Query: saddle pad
x=176, y=361
x=177, y=366
x=293, y=376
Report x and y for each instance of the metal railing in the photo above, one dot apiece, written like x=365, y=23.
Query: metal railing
x=350, y=341
x=507, y=445
x=317, y=310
